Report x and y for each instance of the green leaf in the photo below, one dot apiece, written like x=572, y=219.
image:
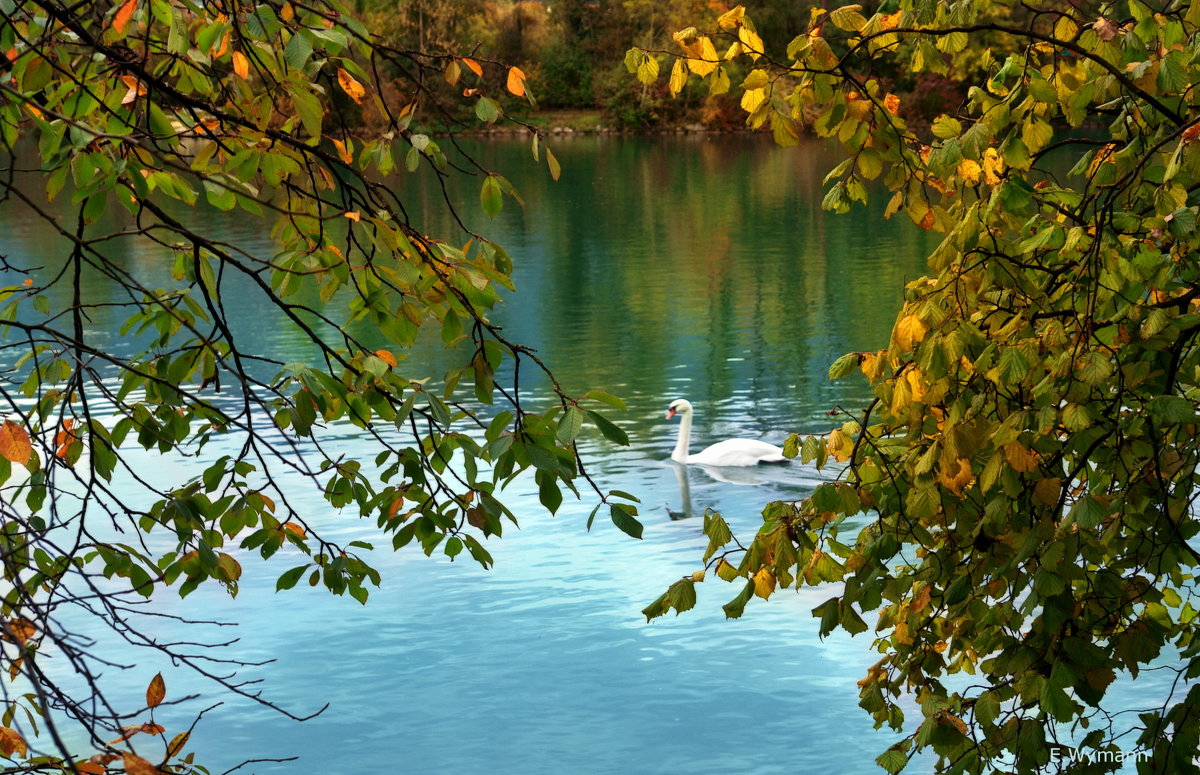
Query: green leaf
x=490, y=196
x=569, y=425
x=623, y=517
x=487, y=110
x=290, y=578
x=610, y=431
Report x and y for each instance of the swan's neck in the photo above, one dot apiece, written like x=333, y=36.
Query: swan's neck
x=680, y=455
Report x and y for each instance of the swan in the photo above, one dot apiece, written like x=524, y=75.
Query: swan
x=731, y=452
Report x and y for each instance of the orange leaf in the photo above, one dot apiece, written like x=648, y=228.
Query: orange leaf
x=124, y=14
x=241, y=65
x=90, y=768
x=12, y=744
x=156, y=692
x=287, y=12
x=12, y=54
x=223, y=46
x=516, y=81
x=351, y=86
x=1019, y=457
x=19, y=630
x=292, y=527
x=404, y=111
x=136, y=765
x=343, y=153
x=64, y=439
x=353, y=215
x=387, y=357
x=892, y=103
x=14, y=443
x=473, y=66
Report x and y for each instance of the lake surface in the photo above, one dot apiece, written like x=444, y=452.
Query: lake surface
x=656, y=268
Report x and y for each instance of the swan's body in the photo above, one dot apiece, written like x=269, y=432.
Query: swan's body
x=731, y=452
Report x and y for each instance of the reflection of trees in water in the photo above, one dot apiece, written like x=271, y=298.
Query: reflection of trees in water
x=710, y=257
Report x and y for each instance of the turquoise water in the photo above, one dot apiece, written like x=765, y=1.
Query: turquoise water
x=655, y=269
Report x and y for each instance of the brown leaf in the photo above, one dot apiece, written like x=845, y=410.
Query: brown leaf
x=90, y=768
x=1105, y=28
x=1046, y=491
x=14, y=442
x=351, y=86
x=136, y=765
x=516, y=81
x=12, y=744
x=156, y=692
x=124, y=14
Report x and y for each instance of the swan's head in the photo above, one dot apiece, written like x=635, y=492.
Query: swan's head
x=679, y=406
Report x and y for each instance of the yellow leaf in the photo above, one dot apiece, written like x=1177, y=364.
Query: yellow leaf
x=764, y=583
x=678, y=77
x=872, y=365
x=751, y=42
x=287, y=12
x=124, y=14
x=993, y=166
x=915, y=385
x=12, y=744
x=839, y=445
x=387, y=357
x=14, y=443
x=698, y=576
x=241, y=65
x=515, y=82
x=156, y=692
x=453, y=72
x=732, y=18
x=1019, y=457
x=351, y=86
x=177, y=743
x=970, y=171
x=752, y=98
x=702, y=57
x=941, y=646
x=901, y=634
x=473, y=66
x=910, y=329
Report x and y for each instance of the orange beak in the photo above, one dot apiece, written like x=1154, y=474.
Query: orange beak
x=670, y=413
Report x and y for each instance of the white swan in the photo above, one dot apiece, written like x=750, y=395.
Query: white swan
x=731, y=452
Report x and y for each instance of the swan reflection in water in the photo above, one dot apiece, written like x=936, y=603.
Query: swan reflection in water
x=745, y=477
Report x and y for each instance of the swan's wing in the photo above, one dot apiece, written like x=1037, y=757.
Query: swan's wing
x=738, y=452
